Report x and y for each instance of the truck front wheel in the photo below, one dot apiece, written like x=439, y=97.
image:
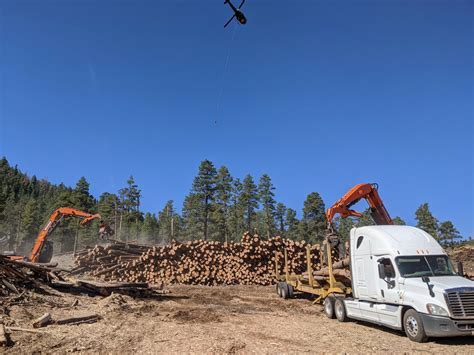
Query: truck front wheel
x=414, y=326
x=329, y=307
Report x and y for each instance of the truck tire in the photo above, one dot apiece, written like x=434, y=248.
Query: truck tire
x=278, y=289
x=329, y=307
x=291, y=291
x=340, y=310
x=413, y=326
x=284, y=290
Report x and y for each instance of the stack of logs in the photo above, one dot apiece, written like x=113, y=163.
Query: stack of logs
x=199, y=262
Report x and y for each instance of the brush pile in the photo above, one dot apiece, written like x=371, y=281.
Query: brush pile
x=198, y=262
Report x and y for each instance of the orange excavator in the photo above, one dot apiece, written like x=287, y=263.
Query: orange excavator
x=42, y=251
x=367, y=191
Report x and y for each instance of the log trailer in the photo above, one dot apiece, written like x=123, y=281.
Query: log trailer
x=399, y=277
x=42, y=251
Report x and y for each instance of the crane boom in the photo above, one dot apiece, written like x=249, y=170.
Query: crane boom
x=367, y=191
x=53, y=222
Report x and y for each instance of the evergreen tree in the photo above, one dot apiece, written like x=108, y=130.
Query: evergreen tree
x=249, y=200
x=237, y=211
x=222, y=203
x=29, y=224
x=192, y=222
x=292, y=223
x=427, y=221
x=344, y=226
x=84, y=201
x=398, y=221
x=366, y=219
x=280, y=214
x=81, y=198
x=204, y=189
x=108, y=207
x=314, y=218
x=130, y=217
x=266, y=197
x=149, y=230
x=168, y=223
x=448, y=233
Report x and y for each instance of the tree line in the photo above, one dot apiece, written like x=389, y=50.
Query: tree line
x=218, y=207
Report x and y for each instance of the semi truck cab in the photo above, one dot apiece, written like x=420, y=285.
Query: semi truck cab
x=403, y=279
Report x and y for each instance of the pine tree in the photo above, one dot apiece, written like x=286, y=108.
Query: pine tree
x=222, y=203
x=149, y=230
x=280, y=214
x=84, y=201
x=192, y=222
x=237, y=211
x=267, y=199
x=29, y=224
x=204, y=189
x=81, y=197
x=130, y=217
x=366, y=219
x=108, y=208
x=314, y=218
x=427, y=221
x=344, y=226
x=249, y=200
x=398, y=221
x=448, y=233
x=292, y=223
x=168, y=223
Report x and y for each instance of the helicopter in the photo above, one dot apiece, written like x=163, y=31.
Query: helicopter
x=239, y=15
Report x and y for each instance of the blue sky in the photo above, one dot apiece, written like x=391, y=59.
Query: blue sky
x=320, y=95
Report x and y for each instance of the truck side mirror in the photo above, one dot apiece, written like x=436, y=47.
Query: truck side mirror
x=460, y=269
x=382, y=274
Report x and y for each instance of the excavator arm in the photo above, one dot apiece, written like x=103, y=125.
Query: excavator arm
x=53, y=222
x=367, y=191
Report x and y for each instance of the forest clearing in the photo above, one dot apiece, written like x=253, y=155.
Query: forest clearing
x=244, y=177
x=202, y=319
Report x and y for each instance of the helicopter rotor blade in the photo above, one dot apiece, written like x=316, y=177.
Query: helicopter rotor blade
x=229, y=21
x=242, y=4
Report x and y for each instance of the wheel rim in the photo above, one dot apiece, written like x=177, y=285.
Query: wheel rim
x=412, y=326
x=338, y=309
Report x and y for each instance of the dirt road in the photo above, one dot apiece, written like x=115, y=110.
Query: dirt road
x=236, y=319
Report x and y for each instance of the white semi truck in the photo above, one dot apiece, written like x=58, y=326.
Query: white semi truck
x=401, y=278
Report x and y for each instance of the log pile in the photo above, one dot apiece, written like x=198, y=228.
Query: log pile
x=198, y=262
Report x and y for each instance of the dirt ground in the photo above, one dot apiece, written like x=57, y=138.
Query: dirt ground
x=199, y=319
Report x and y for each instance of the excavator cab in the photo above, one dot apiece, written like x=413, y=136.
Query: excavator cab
x=46, y=253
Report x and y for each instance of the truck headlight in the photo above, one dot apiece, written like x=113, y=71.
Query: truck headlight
x=436, y=310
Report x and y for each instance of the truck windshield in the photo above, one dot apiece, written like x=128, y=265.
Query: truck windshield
x=429, y=265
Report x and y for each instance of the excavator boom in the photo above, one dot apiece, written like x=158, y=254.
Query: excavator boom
x=367, y=191
x=53, y=222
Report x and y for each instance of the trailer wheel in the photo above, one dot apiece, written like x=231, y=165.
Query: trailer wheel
x=278, y=289
x=329, y=307
x=291, y=291
x=284, y=290
x=340, y=310
x=413, y=326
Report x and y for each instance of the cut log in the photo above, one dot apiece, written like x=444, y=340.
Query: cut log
x=89, y=318
x=42, y=321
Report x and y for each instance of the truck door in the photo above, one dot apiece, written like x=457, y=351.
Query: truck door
x=388, y=290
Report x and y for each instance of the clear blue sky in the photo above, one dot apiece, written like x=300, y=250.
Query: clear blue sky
x=320, y=95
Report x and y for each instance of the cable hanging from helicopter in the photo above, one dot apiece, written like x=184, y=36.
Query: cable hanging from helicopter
x=239, y=15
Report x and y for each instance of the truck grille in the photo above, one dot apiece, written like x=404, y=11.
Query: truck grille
x=461, y=302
